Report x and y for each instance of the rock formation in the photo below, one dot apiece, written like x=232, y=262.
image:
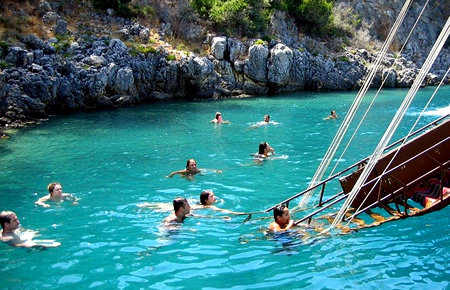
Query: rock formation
x=50, y=76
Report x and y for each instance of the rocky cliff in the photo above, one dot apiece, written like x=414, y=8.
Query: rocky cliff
x=52, y=76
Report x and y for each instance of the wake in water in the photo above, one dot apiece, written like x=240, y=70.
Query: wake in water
x=434, y=112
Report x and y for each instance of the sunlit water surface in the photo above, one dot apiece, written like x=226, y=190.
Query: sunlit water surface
x=113, y=160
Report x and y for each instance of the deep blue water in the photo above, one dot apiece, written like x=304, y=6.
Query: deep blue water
x=113, y=160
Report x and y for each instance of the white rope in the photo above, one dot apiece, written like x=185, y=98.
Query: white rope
x=395, y=122
x=404, y=141
x=378, y=91
x=350, y=115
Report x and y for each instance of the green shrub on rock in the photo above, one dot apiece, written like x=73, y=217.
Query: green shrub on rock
x=136, y=49
x=171, y=57
x=260, y=41
x=236, y=17
x=316, y=16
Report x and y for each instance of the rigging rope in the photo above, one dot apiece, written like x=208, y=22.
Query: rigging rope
x=349, y=117
x=378, y=91
x=404, y=141
x=394, y=123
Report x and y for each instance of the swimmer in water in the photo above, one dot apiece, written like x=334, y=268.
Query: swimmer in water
x=55, y=195
x=207, y=200
x=191, y=170
x=181, y=210
x=218, y=119
x=331, y=116
x=282, y=217
x=264, y=151
x=9, y=234
x=265, y=122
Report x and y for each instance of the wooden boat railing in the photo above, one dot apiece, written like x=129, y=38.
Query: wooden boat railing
x=323, y=205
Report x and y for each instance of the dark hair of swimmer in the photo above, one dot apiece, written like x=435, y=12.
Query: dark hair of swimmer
x=179, y=202
x=204, y=196
x=218, y=114
x=262, y=146
x=51, y=187
x=278, y=211
x=189, y=161
x=5, y=217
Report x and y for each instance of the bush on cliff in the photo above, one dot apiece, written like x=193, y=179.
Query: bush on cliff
x=315, y=16
x=248, y=17
x=236, y=17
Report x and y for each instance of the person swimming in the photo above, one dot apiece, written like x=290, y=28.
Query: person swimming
x=262, y=123
x=282, y=219
x=208, y=199
x=331, y=116
x=181, y=210
x=191, y=170
x=56, y=195
x=264, y=151
x=11, y=236
x=218, y=119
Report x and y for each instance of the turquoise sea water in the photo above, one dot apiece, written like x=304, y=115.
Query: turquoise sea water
x=113, y=160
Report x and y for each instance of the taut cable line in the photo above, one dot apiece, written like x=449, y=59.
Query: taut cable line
x=378, y=91
x=394, y=123
x=352, y=111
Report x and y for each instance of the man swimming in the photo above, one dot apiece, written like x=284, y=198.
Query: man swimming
x=282, y=219
x=331, y=116
x=56, y=195
x=265, y=122
x=218, y=119
x=181, y=210
x=190, y=170
x=10, y=224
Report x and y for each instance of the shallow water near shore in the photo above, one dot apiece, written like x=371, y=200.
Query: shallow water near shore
x=113, y=160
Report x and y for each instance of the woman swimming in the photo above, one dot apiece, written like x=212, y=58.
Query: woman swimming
x=207, y=200
x=264, y=151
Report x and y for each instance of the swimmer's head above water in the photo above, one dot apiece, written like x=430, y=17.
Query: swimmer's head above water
x=181, y=202
x=9, y=221
x=191, y=165
x=282, y=219
x=264, y=148
x=55, y=189
x=207, y=197
x=219, y=117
